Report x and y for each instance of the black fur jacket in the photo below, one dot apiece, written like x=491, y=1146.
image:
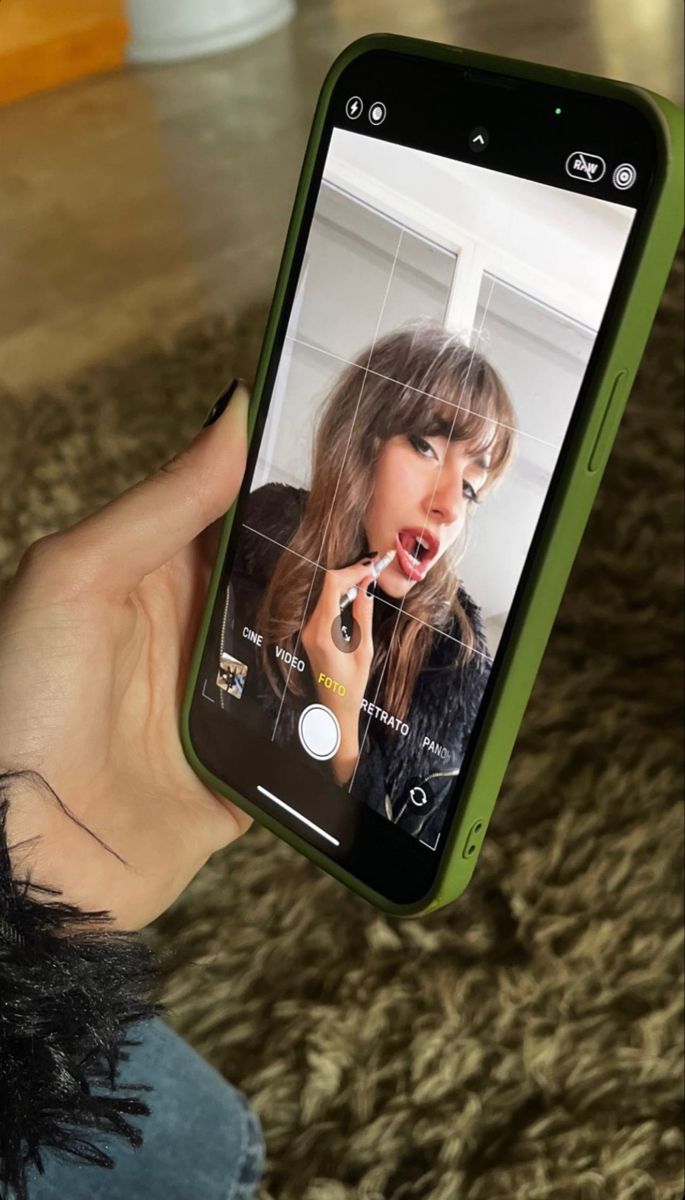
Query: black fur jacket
x=69, y=994
x=446, y=698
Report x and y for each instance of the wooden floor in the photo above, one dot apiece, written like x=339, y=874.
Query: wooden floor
x=140, y=199
x=44, y=44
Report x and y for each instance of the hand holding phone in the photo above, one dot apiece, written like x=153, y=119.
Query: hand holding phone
x=93, y=633
x=476, y=254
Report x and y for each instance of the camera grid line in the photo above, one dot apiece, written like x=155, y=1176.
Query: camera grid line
x=362, y=741
x=420, y=391
x=340, y=474
x=377, y=599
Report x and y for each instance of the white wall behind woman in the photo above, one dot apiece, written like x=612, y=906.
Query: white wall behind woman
x=563, y=244
x=357, y=282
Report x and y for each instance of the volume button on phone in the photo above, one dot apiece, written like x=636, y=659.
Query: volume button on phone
x=600, y=449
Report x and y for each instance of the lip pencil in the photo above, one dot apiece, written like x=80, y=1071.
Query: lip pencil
x=376, y=570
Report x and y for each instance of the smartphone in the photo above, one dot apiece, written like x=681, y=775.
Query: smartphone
x=477, y=250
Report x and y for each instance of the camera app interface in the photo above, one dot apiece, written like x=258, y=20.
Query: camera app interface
x=441, y=326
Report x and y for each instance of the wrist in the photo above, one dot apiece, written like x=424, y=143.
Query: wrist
x=61, y=859
x=346, y=711
x=345, y=760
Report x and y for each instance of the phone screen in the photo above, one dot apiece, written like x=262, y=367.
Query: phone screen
x=458, y=266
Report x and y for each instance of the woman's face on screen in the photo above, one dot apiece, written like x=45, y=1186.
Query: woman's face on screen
x=422, y=487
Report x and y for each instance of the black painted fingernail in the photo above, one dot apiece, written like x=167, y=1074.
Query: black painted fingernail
x=220, y=404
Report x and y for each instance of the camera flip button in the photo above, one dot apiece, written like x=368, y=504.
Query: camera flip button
x=602, y=443
x=418, y=792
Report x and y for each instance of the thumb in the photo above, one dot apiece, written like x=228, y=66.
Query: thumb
x=149, y=523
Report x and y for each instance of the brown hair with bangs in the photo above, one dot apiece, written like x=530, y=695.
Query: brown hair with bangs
x=422, y=380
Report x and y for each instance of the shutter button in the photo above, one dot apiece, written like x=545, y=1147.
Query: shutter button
x=319, y=732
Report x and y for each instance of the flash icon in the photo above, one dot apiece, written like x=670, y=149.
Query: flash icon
x=354, y=108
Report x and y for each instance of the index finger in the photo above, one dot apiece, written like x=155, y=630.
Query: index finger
x=362, y=609
x=336, y=583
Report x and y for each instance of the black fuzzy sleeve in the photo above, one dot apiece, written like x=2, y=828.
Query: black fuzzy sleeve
x=68, y=993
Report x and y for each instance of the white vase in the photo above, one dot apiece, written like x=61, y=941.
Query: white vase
x=171, y=30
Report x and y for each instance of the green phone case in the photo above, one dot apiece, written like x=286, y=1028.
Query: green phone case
x=621, y=354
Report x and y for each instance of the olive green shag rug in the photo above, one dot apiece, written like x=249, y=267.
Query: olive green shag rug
x=526, y=1043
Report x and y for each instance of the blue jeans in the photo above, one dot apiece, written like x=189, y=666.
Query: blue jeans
x=202, y=1140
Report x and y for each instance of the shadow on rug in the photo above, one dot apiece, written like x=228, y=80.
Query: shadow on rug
x=524, y=1044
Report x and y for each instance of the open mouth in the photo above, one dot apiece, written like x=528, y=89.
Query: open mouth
x=416, y=549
